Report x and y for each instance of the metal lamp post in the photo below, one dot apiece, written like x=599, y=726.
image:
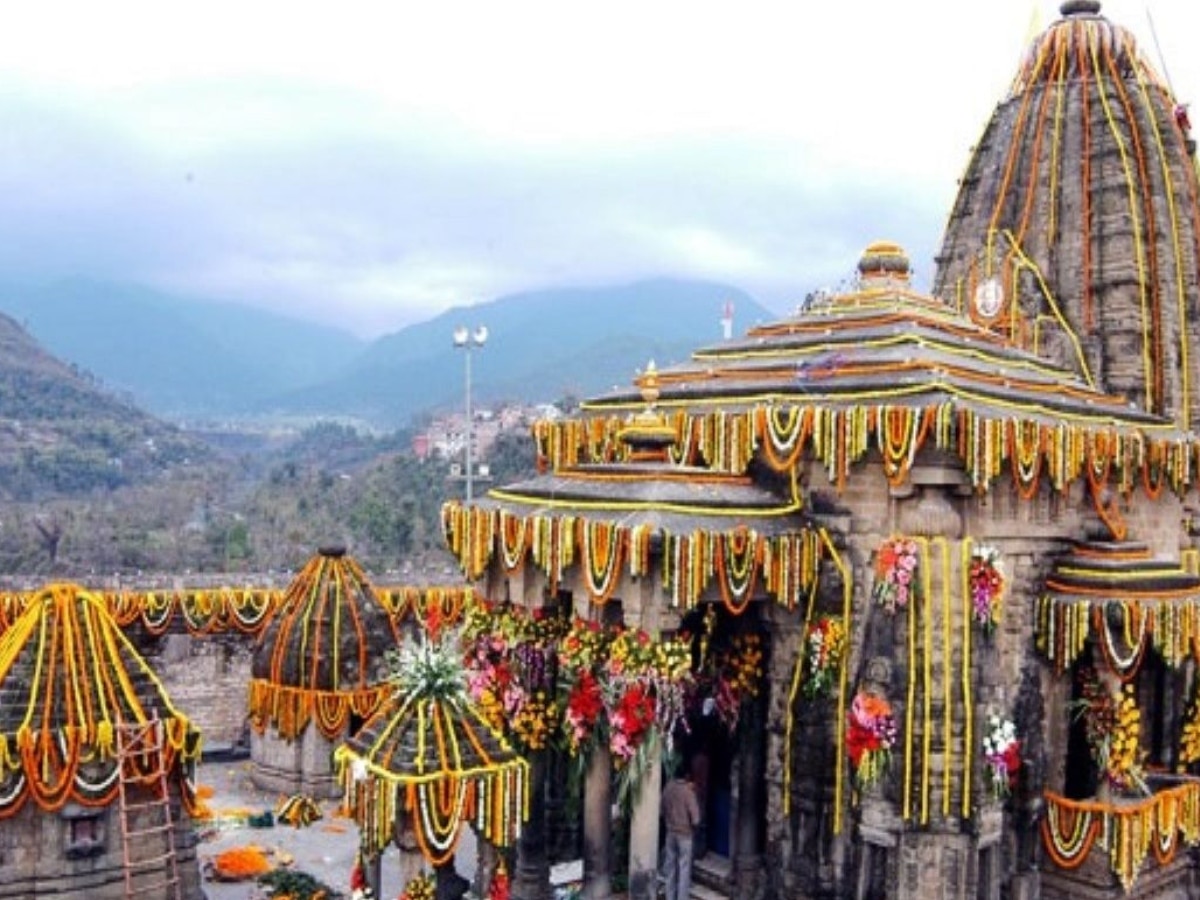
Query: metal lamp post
x=465, y=339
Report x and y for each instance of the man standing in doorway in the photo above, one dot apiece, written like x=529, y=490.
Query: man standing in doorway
x=681, y=815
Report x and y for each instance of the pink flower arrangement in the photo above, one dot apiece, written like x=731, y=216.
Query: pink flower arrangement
x=870, y=737
x=896, y=573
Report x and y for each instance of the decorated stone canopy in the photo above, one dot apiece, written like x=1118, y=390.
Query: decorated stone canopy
x=614, y=515
x=321, y=656
x=1125, y=601
x=429, y=762
x=68, y=679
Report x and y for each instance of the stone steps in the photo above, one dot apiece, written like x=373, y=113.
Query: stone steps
x=711, y=877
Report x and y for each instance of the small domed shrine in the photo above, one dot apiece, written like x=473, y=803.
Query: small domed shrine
x=318, y=674
x=95, y=761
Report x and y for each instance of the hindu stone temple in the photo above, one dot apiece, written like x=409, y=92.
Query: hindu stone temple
x=908, y=581
x=931, y=557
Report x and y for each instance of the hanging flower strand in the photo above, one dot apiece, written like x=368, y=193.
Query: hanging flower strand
x=986, y=580
x=895, y=574
x=824, y=647
x=1001, y=755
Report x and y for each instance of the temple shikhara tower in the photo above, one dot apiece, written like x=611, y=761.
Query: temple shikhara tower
x=1075, y=229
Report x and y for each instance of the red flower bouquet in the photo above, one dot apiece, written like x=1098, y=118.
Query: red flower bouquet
x=870, y=736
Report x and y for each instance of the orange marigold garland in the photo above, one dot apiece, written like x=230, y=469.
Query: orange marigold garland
x=66, y=749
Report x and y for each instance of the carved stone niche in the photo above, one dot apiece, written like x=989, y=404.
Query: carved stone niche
x=933, y=515
x=85, y=831
x=877, y=675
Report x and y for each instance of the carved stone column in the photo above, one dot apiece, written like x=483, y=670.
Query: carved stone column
x=748, y=875
x=643, y=831
x=597, y=826
x=531, y=881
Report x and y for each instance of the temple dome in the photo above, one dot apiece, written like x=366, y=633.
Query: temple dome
x=1078, y=213
x=323, y=652
x=59, y=717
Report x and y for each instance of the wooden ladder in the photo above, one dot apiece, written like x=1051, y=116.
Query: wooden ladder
x=140, y=762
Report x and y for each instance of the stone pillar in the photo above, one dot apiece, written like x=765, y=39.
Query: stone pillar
x=411, y=861
x=558, y=832
x=487, y=859
x=531, y=881
x=371, y=871
x=597, y=826
x=749, y=822
x=643, y=830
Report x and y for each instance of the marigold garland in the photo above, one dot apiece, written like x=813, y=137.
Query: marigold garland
x=1189, y=738
x=738, y=558
x=431, y=755
x=66, y=747
x=1033, y=447
x=212, y=611
x=1130, y=829
x=1123, y=626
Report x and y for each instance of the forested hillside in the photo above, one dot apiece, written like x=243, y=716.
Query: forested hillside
x=95, y=490
x=61, y=434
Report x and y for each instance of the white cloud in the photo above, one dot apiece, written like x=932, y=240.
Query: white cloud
x=373, y=162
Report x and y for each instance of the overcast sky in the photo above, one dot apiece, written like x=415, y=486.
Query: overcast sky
x=371, y=164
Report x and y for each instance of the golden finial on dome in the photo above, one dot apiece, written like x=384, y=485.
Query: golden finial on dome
x=884, y=262
x=647, y=434
x=648, y=382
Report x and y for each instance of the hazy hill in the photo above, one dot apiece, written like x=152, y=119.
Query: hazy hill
x=541, y=346
x=175, y=356
x=61, y=434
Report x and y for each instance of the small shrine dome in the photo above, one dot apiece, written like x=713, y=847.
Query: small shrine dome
x=318, y=670
x=884, y=261
x=90, y=744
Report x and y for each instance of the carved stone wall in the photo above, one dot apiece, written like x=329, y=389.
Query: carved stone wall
x=41, y=855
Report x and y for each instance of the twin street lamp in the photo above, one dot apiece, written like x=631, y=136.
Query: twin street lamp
x=465, y=339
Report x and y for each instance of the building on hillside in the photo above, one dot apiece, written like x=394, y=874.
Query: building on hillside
x=979, y=663
x=318, y=674
x=95, y=761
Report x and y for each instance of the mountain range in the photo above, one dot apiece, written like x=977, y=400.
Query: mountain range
x=186, y=358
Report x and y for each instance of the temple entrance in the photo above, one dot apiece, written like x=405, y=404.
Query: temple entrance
x=728, y=657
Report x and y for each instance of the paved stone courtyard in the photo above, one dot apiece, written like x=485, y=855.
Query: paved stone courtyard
x=325, y=849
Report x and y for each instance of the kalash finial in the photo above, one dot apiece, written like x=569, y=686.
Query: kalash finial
x=647, y=434
x=1079, y=8
x=884, y=263
x=648, y=382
